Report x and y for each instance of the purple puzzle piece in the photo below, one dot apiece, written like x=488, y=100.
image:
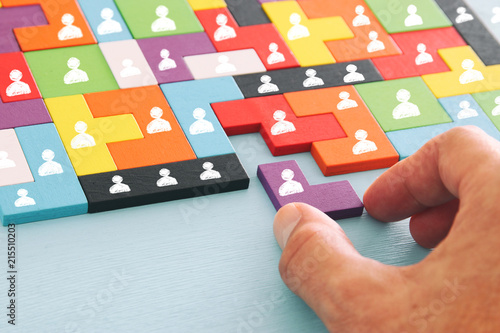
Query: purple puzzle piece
x=170, y=66
x=285, y=183
x=17, y=17
x=23, y=113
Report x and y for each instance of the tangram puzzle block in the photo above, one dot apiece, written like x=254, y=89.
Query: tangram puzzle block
x=67, y=26
x=316, y=77
x=154, y=18
x=487, y=12
x=206, y=4
x=159, y=183
x=226, y=35
x=462, y=109
x=402, y=104
x=16, y=81
x=10, y=18
x=490, y=103
x=468, y=74
x=409, y=15
x=420, y=53
x=128, y=64
x=370, y=39
x=85, y=137
x=191, y=101
x=105, y=20
x=55, y=192
x=14, y=168
x=247, y=13
x=23, y=113
x=206, y=66
x=366, y=146
x=305, y=36
x=71, y=71
x=283, y=132
x=472, y=30
x=285, y=183
x=163, y=142
x=165, y=55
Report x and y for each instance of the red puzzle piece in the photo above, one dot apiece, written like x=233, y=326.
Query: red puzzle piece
x=429, y=62
x=370, y=38
x=226, y=35
x=283, y=131
x=16, y=81
x=67, y=26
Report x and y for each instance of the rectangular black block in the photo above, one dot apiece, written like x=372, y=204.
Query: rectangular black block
x=307, y=78
x=166, y=182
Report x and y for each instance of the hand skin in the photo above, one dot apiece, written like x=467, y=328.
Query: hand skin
x=455, y=289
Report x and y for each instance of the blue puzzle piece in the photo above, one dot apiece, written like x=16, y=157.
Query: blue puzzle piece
x=105, y=20
x=463, y=109
x=203, y=130
x=56, y=191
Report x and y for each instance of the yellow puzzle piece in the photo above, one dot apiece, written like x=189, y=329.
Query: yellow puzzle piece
x=305, y=36
x=468, y=74
x=85, y=137
x=207, y=4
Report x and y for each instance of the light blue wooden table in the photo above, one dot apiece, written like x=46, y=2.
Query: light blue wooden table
x=198, y=265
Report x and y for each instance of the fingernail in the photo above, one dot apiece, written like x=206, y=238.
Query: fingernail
x=286, y=220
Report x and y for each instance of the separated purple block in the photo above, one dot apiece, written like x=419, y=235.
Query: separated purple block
x=23, y=113
x=285, y=183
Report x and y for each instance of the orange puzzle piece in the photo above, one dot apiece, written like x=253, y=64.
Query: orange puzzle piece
x=366, y=146
x=67, y=26
x=164, y=140
x=370, y=38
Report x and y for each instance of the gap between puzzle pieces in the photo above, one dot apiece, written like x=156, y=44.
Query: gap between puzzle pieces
x=285, y=183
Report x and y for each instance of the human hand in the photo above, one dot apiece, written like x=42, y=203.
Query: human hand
x=451, y=188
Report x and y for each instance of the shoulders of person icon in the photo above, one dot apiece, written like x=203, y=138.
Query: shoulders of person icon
x=166, y=63
x=275, y=56
x=496, y=15
x=158, y=125
x=423, y=57
x=463, y=16
x=405, y=109
x=345, y=102
x=209, y=173
x=413, y=18
x=50, y=167
x=82, y=139
x=282, y=126
x=17, y=87
x=5, y=162
x=297, y=31
x=361, y=19
x=163, y=23
x=496, y=110
x=24, y=200
x=118, y=187
x=312, y=80
x=466, y=111
x=223, y=32
x=224, y=65
x=267, y=86
x=363, y=146
x=108, y=26
x=200, y=126
x=470, y=75
x=75, y=75
x=375, y=44
x=129, y=69
x=353, y=75
x=69, y=31
x=290, y=186
x=166, y=179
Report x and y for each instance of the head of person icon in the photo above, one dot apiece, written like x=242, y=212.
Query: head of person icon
x=127, y=63
x=287, y=175
x=208, y=166
x=223, y=59
x=81, y=127
x=360, y=10
x=361, y=135
x=468, y=64
x=156, y=112
x=421, y=48
x=199, y=114
x=221, y=20
x=497, y=100
x=310, y=73
x=73, y=63
x=412, y=9
x=279, y=115
x=344, y=95
x=107, y=14
x=3, y=155
x=373, y=35
x=265, y=79
x=161, y=11
x=464, y=105
x=117, y=179
x=461, y=10
x=295, y=19
x=22, y=193
x=496, y=11
x=403, y=95
x=273, y=47
x=165, y=54
x=16, y=75
x=48, y=155
x=67, y=19
x=165, y=172
x=351, y=68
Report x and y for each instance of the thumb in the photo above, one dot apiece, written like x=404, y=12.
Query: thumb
x=320, y=265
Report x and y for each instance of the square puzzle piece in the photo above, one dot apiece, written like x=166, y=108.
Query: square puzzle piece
x=409, y=15
x=191, y=103
x=14, y=168
x=67, y=26
x=285, y=183
x=402, y=104
x=56, y=191
x=366, y=146
x=14, y=17
x=105, y=20
x=164, y=141
x=154, y=18
x=16, y=81
x=165, y=182
x=283, y=132
x=71, y=71
x=165, y=55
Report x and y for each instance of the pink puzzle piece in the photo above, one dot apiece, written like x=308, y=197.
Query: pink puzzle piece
x=285, y=183
x=14, y=168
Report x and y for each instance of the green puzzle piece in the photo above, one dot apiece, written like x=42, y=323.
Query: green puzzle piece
x=55, y=78
x=395, y=15
x=490, y=103
x=143, y=17
x=396, y=109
